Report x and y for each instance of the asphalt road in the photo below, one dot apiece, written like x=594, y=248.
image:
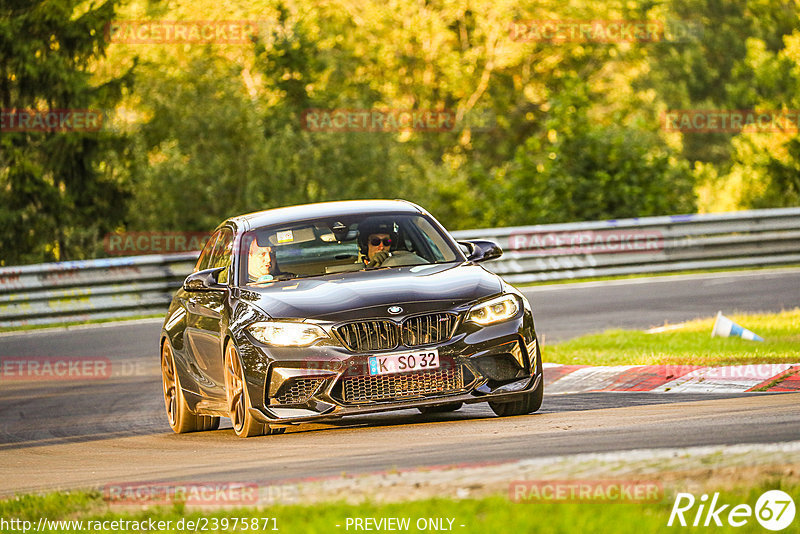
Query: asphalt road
x=63, y=434
x=568, y=310
x=400, y=440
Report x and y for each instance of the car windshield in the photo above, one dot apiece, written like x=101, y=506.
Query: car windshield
x=343, y=244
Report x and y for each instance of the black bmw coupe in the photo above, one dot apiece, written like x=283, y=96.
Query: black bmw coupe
x=314, y=312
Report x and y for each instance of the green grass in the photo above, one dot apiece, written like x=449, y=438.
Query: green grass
x=691, y=344
x=490, y=514
x=52, y=505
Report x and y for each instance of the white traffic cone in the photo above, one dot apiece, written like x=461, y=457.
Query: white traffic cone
x=724, y=327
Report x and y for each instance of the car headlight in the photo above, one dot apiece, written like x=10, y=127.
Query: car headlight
x=285, y=334
x=492, y=311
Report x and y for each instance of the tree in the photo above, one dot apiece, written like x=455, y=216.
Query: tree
x=581, y=170
x=767, y=163
x=60, y=190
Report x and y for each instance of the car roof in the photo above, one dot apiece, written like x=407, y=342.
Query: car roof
x=302, y=212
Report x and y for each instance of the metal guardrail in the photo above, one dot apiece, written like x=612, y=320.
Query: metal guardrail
x=51, y=293
x=656, y=245
x=138, y=285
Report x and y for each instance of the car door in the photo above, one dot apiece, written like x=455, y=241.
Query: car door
x=204, y=319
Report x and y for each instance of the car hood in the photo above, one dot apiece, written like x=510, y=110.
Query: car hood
x=349, y=296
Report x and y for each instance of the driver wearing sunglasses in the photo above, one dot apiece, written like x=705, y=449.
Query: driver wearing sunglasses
x=378, y=249
x=381, y=244
x=377, y=241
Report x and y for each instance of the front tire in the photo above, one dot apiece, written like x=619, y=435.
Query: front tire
x=244, y=424
x=180, y=418
x=527, y=403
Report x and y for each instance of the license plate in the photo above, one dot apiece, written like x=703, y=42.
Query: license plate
x=403, y=363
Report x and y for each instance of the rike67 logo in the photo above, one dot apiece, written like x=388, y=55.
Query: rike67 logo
x=774, y=510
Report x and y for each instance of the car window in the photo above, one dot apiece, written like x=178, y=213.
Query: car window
x=317, y=248
x=221, y=257
x=433, y=242
x=205, y=255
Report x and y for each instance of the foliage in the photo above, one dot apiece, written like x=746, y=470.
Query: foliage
x=587, y=171
x=59, y=190
x=571, y=130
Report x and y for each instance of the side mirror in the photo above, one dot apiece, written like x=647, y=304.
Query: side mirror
x=205, y=280
x=481, y=250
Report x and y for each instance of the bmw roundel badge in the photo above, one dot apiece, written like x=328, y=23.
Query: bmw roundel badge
x=394, y=310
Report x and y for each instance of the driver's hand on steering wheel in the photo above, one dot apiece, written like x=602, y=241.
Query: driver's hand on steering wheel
x=377, y=259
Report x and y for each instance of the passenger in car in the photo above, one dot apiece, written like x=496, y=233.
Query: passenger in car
x=261, y=264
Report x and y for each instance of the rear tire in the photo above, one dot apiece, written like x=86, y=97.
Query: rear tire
x=180, y=418
x=444, y=408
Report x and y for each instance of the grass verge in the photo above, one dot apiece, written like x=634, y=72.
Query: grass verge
x=488, y=514
x=689, y=344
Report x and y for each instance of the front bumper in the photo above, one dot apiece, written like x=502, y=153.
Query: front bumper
x=326, y=381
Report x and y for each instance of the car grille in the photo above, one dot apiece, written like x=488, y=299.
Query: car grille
x=298, y=390
x=383, y=387
x=367, y=336
x=427, y=329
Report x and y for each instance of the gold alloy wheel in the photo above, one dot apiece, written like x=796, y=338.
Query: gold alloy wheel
x=243, y=423
x=234, y=387
x=180, y=418
x=170, y=385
